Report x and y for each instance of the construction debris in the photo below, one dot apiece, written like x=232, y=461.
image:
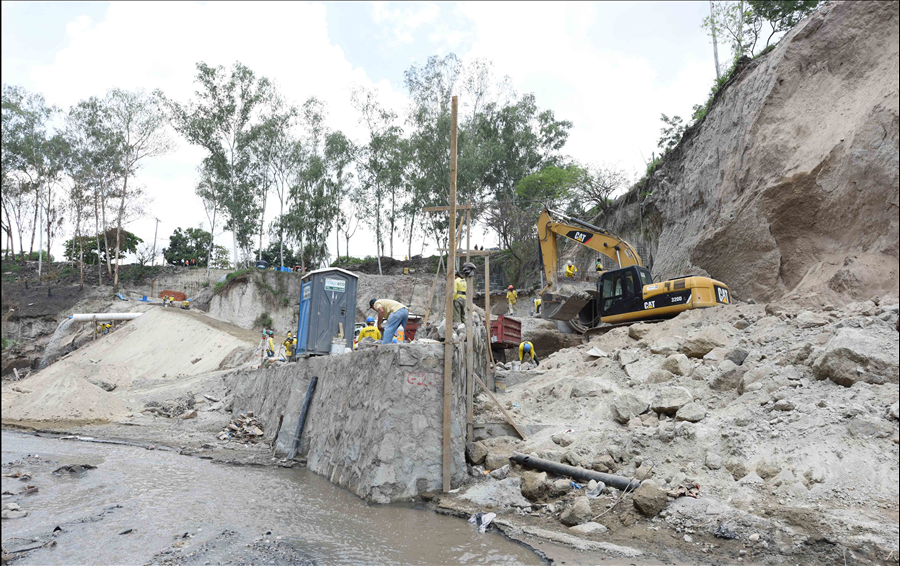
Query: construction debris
x=244, y=429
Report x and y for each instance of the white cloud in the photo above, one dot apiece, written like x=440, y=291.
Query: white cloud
x=156, y=45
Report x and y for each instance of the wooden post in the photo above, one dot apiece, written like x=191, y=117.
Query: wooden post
x=487, y=319
x=448, y=310
x=470, y=360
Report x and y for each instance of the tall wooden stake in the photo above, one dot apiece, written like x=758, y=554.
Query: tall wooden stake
x=448, y=304
x=470, y=360
x=487, y=319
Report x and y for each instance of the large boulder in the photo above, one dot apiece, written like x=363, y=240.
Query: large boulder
x=727, y=376
x=649, y=499
x=852, y=355
x=692, y=412
x=497, y=494
x=669, y=399
x=627, y=406
x=665, y=346
x=679, y=364
x=535, y=485
x=702, y=343
x=579, y=512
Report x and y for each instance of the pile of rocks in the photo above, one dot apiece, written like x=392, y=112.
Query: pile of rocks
x=245, y=428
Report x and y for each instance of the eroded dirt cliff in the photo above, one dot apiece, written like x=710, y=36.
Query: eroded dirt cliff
x=789, y=185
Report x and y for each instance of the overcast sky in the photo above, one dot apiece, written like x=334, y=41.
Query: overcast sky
x=611, y=68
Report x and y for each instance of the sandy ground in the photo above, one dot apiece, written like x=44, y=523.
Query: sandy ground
x=159, y=353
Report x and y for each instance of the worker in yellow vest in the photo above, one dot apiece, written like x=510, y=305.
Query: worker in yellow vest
x=511, y=297
x=526, y=352
x=459, y=298
x=290, y=344
x=537, y=306
x=270, y=343
x=571, y=269
x=368, y=331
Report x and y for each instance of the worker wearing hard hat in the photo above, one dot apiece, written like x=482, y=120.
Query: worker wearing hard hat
x=537, y=305
x=526, y=352
x=599, y=268
x=368, y=331
x=459, y=298
x=290, y=344
x=270, y=343
x=571, y=269
x=511, y=297
x=391, y=316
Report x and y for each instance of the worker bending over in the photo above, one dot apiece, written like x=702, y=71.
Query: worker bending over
x=537, y=306
x=526, y=349
x=571, y=269
x=459, y=298
x=368, y=331
x=511, y=297
x=391, y=316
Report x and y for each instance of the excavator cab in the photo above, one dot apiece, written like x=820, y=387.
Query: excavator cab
x=621, y=290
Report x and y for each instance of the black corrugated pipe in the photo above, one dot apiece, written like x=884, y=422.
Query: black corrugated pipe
x=618, y=482
x=309, y=393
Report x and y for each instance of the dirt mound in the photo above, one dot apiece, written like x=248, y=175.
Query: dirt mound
x=178, y=295
x=790, y=182
x=391, y=266
x=161, y=346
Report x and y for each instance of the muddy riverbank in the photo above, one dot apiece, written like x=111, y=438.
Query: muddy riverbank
x=139, y=506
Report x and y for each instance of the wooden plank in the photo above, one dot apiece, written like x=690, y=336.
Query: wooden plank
x=448, y=327
x=509, y=419
x=446, y=208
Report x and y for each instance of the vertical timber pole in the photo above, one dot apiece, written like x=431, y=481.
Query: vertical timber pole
x=488, y=379
x=470, y=338
x=448, y=304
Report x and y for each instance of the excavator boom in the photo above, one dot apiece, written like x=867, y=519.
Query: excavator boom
x=598, y=239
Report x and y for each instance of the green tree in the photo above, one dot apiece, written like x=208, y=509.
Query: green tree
x=94, y=250
x=139, y=121
x=782, y=15
x=221, y=119
x=33, y=155
x=188, y=244
x=671, y=132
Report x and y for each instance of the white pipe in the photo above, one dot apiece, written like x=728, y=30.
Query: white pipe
x=105, y=316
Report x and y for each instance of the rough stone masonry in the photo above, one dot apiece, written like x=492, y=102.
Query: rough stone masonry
x=375, y=421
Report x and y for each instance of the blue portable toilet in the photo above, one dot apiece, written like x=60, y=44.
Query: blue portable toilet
x=327, y=302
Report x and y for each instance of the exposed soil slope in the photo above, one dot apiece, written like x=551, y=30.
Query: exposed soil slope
x=790, y=183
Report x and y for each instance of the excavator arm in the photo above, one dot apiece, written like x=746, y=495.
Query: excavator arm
x=552, y=223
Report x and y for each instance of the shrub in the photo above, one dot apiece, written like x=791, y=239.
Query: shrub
x=264, y=320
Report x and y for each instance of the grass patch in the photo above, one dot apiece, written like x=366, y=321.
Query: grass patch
x=264, y=320
x=232, y=279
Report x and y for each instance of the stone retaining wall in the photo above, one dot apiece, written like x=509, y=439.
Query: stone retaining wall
x=375, y=421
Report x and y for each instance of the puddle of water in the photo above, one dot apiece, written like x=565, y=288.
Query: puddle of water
x=162, y=495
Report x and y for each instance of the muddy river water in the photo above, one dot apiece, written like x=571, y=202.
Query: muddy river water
x=185, y=510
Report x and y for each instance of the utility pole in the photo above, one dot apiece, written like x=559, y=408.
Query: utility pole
x=712, y=26
x=155, y=230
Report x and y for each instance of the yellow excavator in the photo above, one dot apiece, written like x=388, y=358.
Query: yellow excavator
x=625, y=294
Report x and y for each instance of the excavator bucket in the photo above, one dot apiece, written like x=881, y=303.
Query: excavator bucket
x=564, y=307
